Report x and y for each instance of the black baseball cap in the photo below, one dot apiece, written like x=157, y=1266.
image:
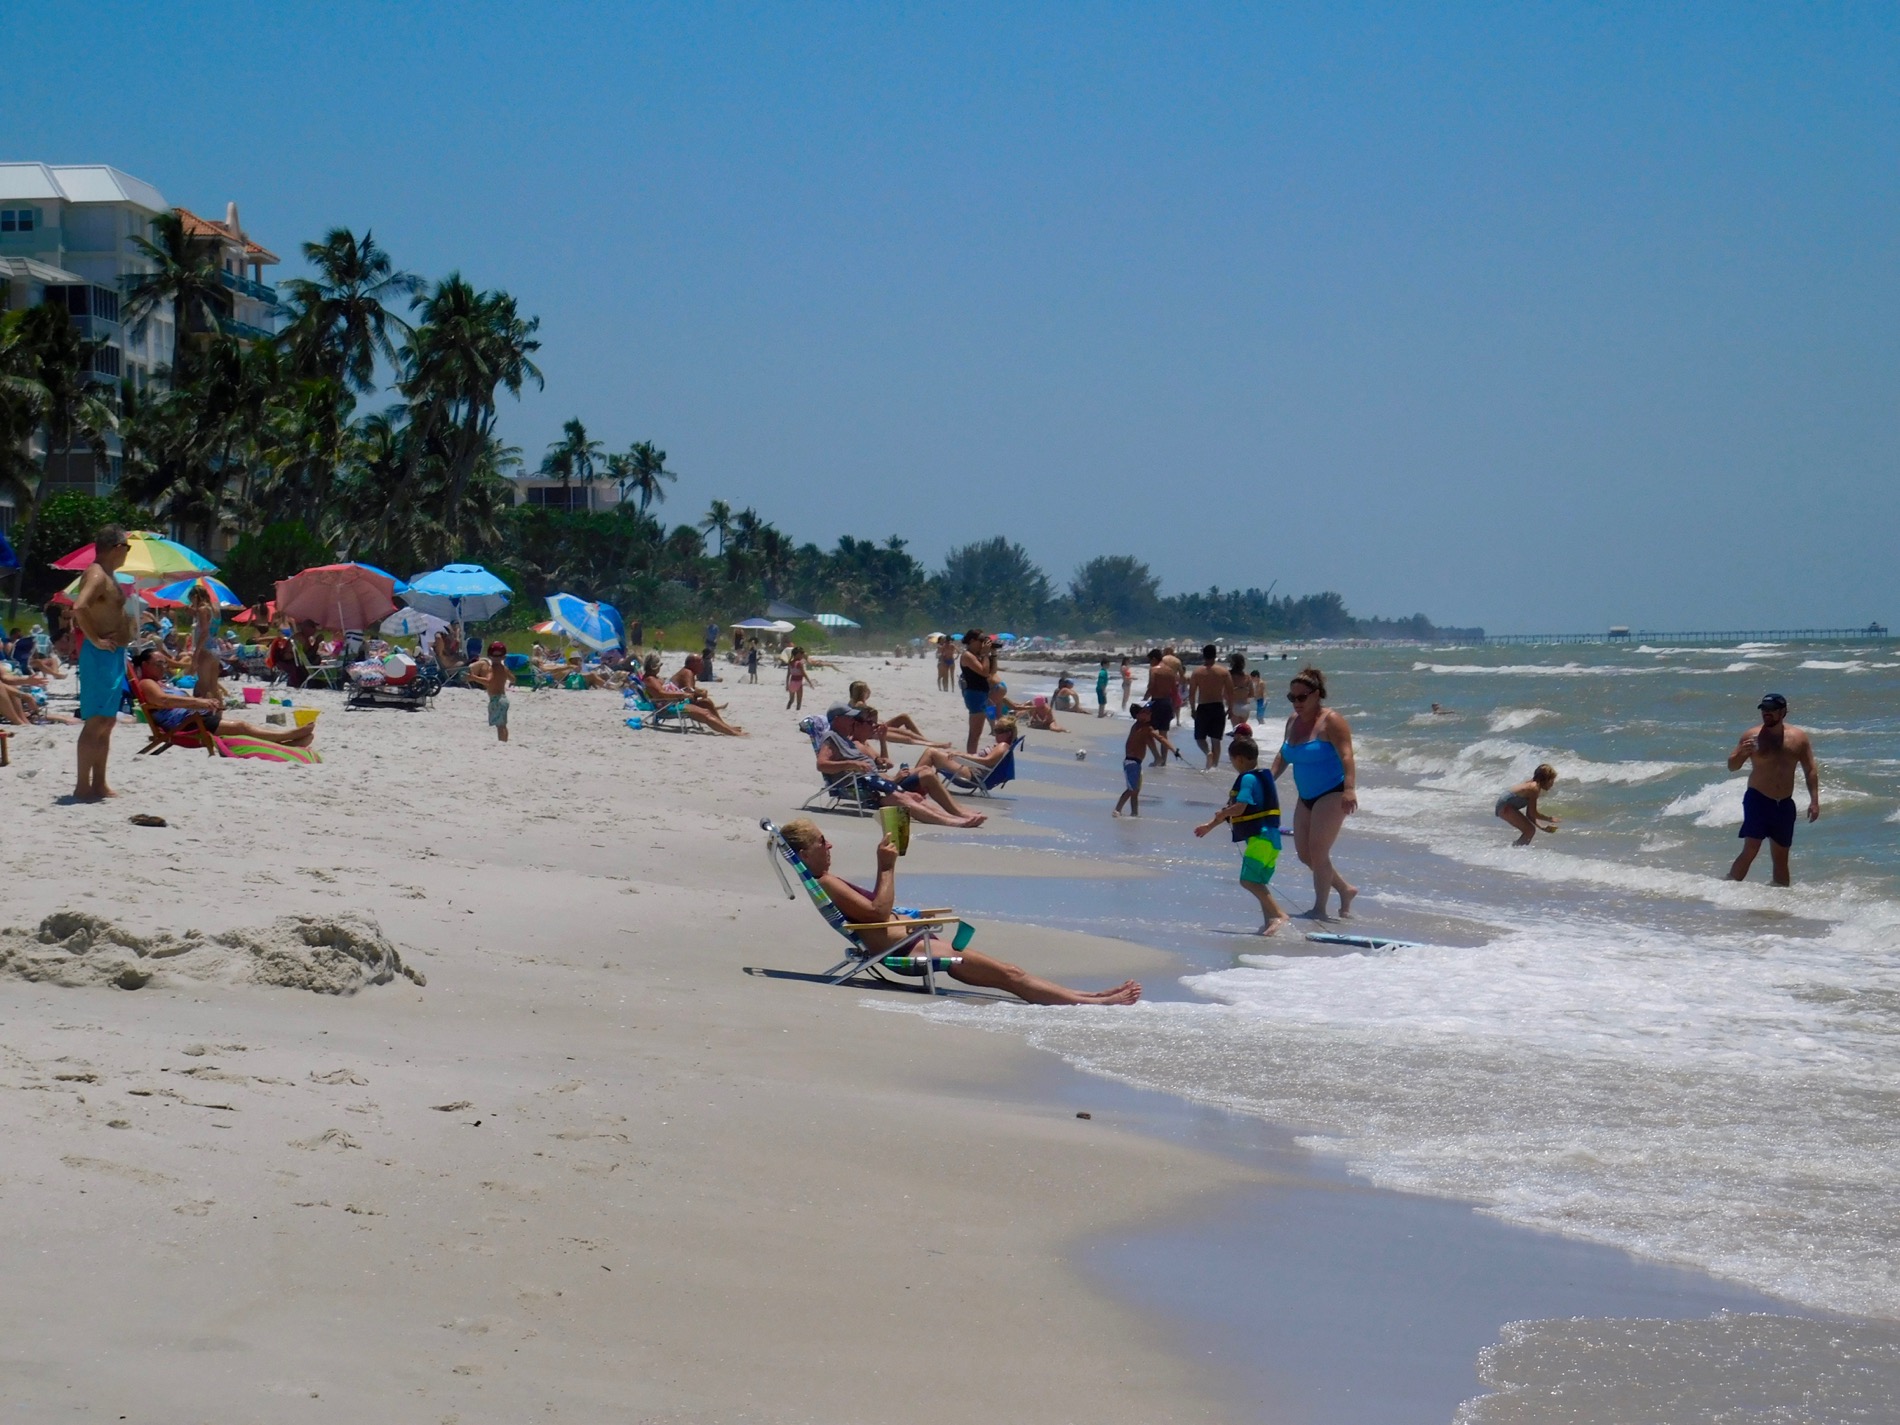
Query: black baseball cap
x=1773, y=701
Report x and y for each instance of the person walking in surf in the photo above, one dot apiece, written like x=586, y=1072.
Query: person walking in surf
x=1518, y=806
x=1772, y=749
x=1318, y=747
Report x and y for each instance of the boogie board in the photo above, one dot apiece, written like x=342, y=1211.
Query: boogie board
x=1364, y=942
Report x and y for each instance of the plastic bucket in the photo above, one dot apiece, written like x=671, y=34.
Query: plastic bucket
x=253, y=696
x=306, y=716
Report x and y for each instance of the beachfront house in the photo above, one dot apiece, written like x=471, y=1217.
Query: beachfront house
x=67, y=236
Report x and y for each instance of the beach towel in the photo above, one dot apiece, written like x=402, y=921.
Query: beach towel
x=264, y=751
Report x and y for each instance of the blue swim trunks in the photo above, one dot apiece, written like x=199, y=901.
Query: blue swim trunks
x=1766, y=819
x=1131, y=773
x=101, y=679
x=977, y=701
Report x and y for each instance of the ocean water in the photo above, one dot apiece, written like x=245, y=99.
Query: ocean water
x=1596, y=1035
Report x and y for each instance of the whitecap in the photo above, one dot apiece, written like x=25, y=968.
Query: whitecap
x=1717, y=804
x=1510, y=719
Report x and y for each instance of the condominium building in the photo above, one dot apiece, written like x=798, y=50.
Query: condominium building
x=69, y=236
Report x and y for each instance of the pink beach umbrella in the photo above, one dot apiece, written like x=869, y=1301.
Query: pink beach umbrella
x=338, y=596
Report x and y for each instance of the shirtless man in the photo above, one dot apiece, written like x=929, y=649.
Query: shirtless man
x=99, y=611
x=170, y=710
x=494, y=677
x=1208, y=687
x=869, y=907
x=1163, y=684
x=1775, y=747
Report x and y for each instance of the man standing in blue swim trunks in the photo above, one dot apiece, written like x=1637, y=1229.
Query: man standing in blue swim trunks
x=1774, y=747
x=104, y=630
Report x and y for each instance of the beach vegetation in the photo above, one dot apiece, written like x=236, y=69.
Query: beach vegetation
x=369, y=428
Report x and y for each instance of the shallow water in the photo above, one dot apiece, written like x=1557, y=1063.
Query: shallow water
x=1597, y=1035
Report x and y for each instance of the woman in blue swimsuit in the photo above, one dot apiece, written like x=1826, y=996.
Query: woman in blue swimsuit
x=1318, y=747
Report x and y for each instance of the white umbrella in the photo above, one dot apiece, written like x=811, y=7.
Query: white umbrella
x=414, y=622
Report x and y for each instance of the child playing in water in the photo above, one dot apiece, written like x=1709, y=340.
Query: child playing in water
x=1253, y=811
x=1142, y=738
x=1128, y=680
x=1101, y=690
x=1519, y=805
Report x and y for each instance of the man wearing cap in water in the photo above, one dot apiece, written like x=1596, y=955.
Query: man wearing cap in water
x=1773, y=748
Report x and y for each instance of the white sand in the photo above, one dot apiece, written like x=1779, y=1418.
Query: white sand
x=590, y=1170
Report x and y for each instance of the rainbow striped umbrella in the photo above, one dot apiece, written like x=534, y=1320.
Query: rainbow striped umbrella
x=152, y=560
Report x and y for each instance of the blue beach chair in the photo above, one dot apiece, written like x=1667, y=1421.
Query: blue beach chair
x=910, y=957
x=988, y=782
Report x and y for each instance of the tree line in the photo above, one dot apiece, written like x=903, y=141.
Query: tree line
x=366, y=428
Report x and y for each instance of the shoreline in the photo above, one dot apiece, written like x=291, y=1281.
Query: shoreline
x=842, y=1184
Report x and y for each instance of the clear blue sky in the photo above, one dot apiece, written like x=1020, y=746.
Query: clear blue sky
x=1534, y=316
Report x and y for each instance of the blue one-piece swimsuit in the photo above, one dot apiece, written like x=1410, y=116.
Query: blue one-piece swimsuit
x=1317, y=770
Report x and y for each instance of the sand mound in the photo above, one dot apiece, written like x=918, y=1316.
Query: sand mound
x=332, y=955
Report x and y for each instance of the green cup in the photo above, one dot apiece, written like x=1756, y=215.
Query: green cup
x=966, y=932
x=896, y=826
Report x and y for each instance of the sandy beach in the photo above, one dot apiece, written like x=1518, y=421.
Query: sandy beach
x=587, y=1168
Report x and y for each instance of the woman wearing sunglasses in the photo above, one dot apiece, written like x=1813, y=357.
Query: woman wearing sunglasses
x=1318, y=747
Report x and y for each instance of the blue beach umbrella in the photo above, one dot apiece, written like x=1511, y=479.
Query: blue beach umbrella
x=400, y=587
x=464, y=593
x=181, y=591
x=596, y=625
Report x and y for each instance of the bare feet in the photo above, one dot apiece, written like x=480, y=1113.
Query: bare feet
x=1345, y=902
x=1274, y=927
x=1125, y=993
x=1314, y=914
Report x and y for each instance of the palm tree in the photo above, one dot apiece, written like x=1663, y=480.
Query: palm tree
x=187, y=281
x=640, y=472
x=469, y=346
x=571, y=458
x=343, y=319
x=718, y=521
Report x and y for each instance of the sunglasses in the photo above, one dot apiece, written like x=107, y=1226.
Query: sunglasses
x=1298, y=697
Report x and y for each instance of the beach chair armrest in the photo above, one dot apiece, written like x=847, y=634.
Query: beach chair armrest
x=899, y=924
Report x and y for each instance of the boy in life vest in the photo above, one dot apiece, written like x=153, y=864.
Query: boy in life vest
x=1253, y=814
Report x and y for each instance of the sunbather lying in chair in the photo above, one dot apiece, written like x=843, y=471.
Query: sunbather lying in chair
x=874, y=924
x=898, y=727
x=851, y=771
x=989, y=770
x=666, y=697
x=174, y=717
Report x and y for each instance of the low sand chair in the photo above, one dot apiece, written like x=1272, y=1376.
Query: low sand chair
x=909, y=957
x=192, y=732
x=987, y=782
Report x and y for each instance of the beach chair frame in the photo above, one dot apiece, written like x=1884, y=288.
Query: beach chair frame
x=993, y=779
x=861, y=959
x=192, y=733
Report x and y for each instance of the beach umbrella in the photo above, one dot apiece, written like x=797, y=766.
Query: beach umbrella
x=1006, y=637
x=270, y=612
x=836, y=621
x=400, y=586
x=338, y=596
x=545, y=626
x=781, y=626
x=65, y=596
x=461, y=593
x=152, y=560
x=765, y=623
x=596, y=625
x=180, y=592
x=413, y=623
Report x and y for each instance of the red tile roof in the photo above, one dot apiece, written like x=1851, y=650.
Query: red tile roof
x=198, y=227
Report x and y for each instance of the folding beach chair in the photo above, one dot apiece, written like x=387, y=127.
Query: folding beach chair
x=191, y=732
x=854, y=793
x=317, y=675
x=910, y=956
x=667, y=717
x=989, y=781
